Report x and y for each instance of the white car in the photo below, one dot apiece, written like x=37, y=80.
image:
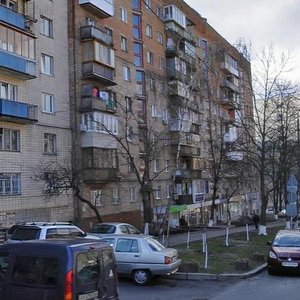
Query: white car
x=45, y=230
x=142, y=257
x=101, y=229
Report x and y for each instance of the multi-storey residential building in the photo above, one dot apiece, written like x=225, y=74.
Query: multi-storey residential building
x=34, y=108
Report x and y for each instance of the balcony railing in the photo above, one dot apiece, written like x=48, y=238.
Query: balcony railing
x=17, y=66
x=230, y=85
x=11, y=17
x=94, y=103
x=172, y=50
x=101, y=8
x=18, y=112
x=173, y=27
x=226, y=67
x=177, y=88
x=98, y=175
x=99, y=72
x=91, y=32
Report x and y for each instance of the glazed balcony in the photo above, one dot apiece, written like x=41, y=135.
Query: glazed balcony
x=18, y=112
x=98, y=175
x=101, y=8
x=227, y=68
x=177, y=88
x=95, y=33
x=232, y=85
x=12, y=18
x=17, y=66
x=176, y=30
x=94, y=70
x=173, y=50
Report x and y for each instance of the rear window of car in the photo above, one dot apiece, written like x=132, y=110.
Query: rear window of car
x=103, y=228
x=26, y=233
x=36, y=271
x=53, y=233
x=154, y=244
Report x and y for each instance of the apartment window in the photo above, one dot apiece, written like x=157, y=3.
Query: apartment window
x=157, y=192
x=100, y=122
x=104, y=54
x=130, y=134
x=129, y=165
x=204, y=48
x=128, y=104
x=168, y=191
x=161, y=63
x=132, y=193
x=160, y=38
x=10, y=4
x=49, y=143
x=136, y=21
x=123, y=14
x=8, y=91
x=167, y=165
x=89, y=21
x=48, y=103
x=126, y=73
x=46, y=26
x=138, y=54
x=148, y=4
x=141, y=111
x=115, y=196
x=150, y=57
x=154, y=111
x=108, y=31
x=140, y=82
x=10, y=183
x=47, y=64
x=149, y=30
x=136, y=4
x=97, y=197
x=97, y=158
x=152, y=84
x=156, y=165
x=124, y=43
x=9, y=140
x=165, y=116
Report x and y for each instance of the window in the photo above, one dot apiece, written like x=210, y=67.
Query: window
x=167, y=165
x=157, y=192
x=152, y=84
x=123, y=14
x=97, y=158
x=204, y=48
x=132, y=193
x=148, y=4
x=10, y=183
x=168, y=191
x=141, y=111
x=149, y=30
x=11, y=4
x=47, y=103
x=136, y=21
x=128, y=104
x=47, y=64
x=124, y=43
x=46, y=26
x=9, y=140
x=127, y=245
x=138, y=54
x=136, y=4
x=130, y=133
x=49, y=143
x=126, y=73
x=155, y=165
x=154, y=111
x=97, y=197
x=8, y=91
x=104, y=54
x=89, y=21
x=150, y=58
x=140, y=82
x=161, y=63
x=129, y=164
x=160, y=37
x=115, y=196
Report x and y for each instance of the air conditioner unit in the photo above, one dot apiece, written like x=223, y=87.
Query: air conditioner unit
x=82, y=127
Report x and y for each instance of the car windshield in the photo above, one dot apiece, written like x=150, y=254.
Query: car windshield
x=103, y=228
x=154, y=244
x=287, y=241
x=26, y=233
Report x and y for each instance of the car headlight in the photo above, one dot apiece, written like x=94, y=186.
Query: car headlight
x=272, y=255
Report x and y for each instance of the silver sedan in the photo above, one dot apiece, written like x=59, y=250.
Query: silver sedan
x=142, y=257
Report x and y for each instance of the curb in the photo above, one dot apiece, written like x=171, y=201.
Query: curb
x=205, y=276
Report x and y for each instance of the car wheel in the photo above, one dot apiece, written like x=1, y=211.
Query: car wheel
x=141, y=277
x=272, y=272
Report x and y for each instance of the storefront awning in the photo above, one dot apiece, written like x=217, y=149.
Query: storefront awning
x=177, y=208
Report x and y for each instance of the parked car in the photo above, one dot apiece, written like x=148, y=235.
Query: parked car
x=42, y=231
x=101, y=229
x=78, y=269
x=142, y=257
x=284, y=252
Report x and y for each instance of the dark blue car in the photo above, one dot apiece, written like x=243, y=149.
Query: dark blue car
x=58, y=269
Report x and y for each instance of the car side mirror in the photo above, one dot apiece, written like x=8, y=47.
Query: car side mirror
x=269, y=243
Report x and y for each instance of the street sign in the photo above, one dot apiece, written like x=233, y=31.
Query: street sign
x=292, y=197
x=292, y=184
x=291, y=210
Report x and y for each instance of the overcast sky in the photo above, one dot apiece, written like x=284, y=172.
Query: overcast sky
x=263, y=22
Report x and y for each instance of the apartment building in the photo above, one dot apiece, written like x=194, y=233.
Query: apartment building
x=35, y=126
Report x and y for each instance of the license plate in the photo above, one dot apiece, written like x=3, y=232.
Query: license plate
x=89, y=296
x=289, y=264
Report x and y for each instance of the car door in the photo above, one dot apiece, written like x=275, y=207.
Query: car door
x=127, y=252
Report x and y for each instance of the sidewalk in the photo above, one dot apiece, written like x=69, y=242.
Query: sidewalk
x=181, y=238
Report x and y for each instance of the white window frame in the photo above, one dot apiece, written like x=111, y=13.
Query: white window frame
x=126, y=73
x=115, y=196
x=160, y=37
x=124, y=43
x=148, y=4
x=157, y=192
x=156, y=165
x=48, y=103
x=161, y=63
x=9, y=140
x=167, y=165
x=47, y=64
x=10, y=184
x=46, y=26
x=168, y=191
x=123, y=14
x=132, y=192
x=97, y=197
x=150, y=57
x=149, y=31
x=50, y=143
x=8, y=91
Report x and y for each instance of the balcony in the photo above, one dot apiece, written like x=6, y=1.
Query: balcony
x=12, y=18
x=97, y=175
x=177, y=88
x=18, y=112
x=231, y=135
x=172, y=50
x=184, y=199
x=94, y=70
x=17, y=66
x=227, y=68
x=235, y=155
x=94, y=139
x=94, y=103
x=185, y=150
x=92, y=32
x=101, y=8
x=177, y=75
x=172, y=27
x=230, y=85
